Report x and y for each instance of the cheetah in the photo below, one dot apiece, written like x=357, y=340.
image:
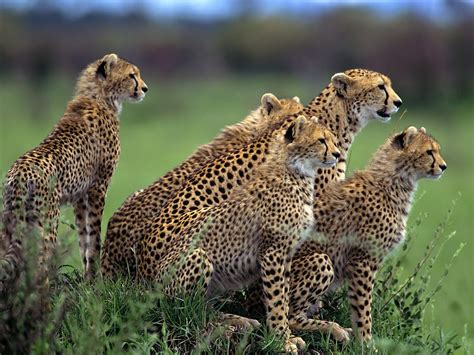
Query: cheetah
x=253, y=233
x=358, y=222
x=352, y=100
x=74, y=164
x=346, y=105
x=143, y=205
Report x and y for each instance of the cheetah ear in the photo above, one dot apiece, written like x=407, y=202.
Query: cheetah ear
x=423, y=130
x=404, y=138
x=270, y=103
x=295, y=129
x=296, y=99
x=342, y=82
x=106, y=63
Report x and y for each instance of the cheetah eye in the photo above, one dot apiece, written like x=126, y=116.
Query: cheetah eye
x=322, y=140
x=132, y=76
x=429, y=152
x=381, y=86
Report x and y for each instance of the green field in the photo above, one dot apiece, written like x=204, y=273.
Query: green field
x=177, y=116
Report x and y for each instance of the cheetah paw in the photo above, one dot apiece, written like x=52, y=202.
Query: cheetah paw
x=293, y=344
x=341, y=334
x=240, y=323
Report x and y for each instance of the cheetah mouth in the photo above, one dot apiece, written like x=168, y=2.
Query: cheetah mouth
x=138, y=97
x=329, y=163
x=435, y=175
x=383, y=113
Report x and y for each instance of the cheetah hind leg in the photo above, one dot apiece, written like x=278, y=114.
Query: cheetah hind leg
x=194, y=271
x=311, y=277
x=186, y=274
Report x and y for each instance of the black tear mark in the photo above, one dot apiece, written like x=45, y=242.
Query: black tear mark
x=434, y=160
x=136, y=84
x=386, y=96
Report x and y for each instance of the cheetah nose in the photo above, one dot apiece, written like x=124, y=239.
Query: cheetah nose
x=336, y=155
x=145, y=88
x=398, y=103
x=443, y=167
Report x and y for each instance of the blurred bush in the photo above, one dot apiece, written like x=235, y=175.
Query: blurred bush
x=427, y=59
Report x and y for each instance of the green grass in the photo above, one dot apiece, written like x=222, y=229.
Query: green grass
x=163, y=130
x=122, y=316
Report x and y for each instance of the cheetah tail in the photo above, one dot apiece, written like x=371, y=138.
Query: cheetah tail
x=10, y=263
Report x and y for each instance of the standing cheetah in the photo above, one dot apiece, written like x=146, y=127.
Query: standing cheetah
x=143, y=205
x=252, y=234
x=346, y=105
x=357, y=223
x=74, y=164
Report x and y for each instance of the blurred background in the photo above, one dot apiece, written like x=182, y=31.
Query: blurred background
x=208, y=62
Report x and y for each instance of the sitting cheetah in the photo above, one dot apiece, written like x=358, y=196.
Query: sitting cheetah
x=74, y=164
x=350, y=101
x=143, y=205
x=358, y=222
x=254, y=232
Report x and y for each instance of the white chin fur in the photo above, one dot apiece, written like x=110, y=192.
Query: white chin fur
x=383, y=119
x=327, y=164
x=434, y=177
x=137, y=99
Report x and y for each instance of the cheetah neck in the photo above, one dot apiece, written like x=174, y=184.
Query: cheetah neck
x=392, y=176
x=341, y=115
x=280, y=159
x=87, y=88
x=302, y=167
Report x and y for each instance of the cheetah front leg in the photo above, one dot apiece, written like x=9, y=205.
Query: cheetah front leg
x=275, y=270
x=311, y=276
x=361, y=276
x=80, y=212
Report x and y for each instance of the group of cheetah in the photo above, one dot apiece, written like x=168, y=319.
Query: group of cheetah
x=264, y=205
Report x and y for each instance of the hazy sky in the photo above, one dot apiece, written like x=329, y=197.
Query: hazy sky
x=212, y=9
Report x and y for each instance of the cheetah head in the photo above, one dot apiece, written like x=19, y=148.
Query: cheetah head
x=116, y=79
x=370, y=92
x=121, y=78
x=310, y=145
x=419, y=153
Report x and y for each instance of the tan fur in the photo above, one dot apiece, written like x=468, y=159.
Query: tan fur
x=120, y=242
x=358, y=222
x=345, y=112
x=253, y=233
x=352, y=99
x=75, y=163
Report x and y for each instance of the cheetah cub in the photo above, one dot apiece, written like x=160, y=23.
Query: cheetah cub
x=360, y=221
x=252, y=234
x=74, y=164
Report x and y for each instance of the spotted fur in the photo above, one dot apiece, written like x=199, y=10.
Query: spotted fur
x=253, y=233
x=74, y=164
x=359, y=221
x=344, y=111
x=121, y=239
